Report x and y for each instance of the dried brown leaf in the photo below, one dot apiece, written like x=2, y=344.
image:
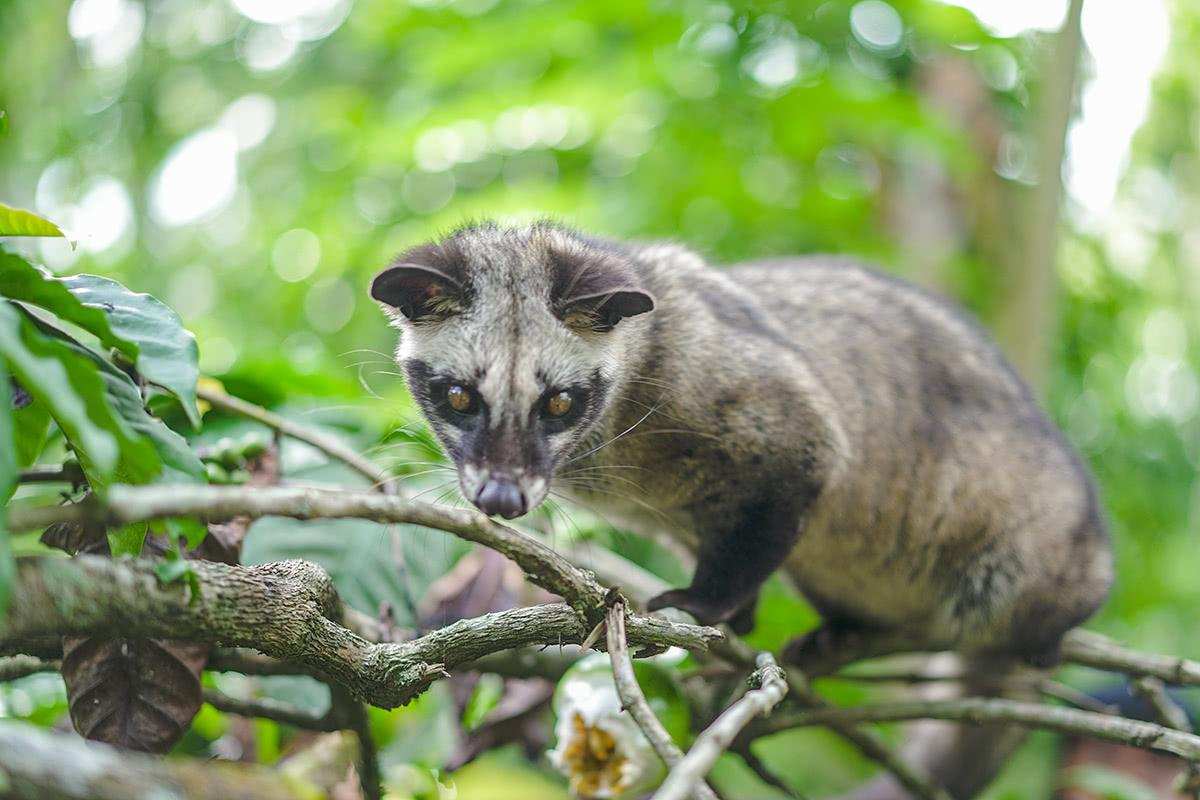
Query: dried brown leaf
x=138, y=694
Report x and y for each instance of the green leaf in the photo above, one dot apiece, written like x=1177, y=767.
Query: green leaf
x=18, y=222
x=191, y=530
x=127, y=540
x=175, y=569
x=31, y=425
x=8, y=481
x=167, y=355
x=171, y=570
x=177, y=463
x=32, y=284
x=3, y=123
x=73, y=392
x=148, y=332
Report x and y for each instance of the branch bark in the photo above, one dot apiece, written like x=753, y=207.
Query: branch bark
x=19, y=666
x=266, y=708
x=288, y=610
x=634, y=701
x=330, y=445
x=39, y=764
x=128, y=504
x=689, y=773
x=981, y=711
x=1094, y=650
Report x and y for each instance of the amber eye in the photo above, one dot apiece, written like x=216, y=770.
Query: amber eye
x=559, y=404
x=459, y=398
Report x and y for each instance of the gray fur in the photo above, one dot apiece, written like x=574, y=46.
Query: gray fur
x=802, y=412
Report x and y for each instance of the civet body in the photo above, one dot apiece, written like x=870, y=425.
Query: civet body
x=803, y=413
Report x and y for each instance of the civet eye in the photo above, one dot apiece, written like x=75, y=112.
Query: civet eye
x=559, y=404
x=460, y=399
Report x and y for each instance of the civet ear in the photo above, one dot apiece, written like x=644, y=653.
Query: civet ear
x=594, y=289
x=419, y=292
x=601, y=311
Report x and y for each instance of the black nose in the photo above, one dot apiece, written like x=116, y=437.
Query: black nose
x=501, y=496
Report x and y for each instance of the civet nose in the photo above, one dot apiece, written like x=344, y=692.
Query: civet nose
x=501, y=496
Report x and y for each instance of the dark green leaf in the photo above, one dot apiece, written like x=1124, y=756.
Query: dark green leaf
x=31, y=425
x=18, y=222
x=149, y=333
x=31, y=284
x=3, y=123
x=180, y=464
x=166, y=351
x=73, y=391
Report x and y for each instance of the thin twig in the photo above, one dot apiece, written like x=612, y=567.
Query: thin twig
x=644, y=585
x=685, y=776
x=1166, y=710
x=1171, y=714
x=868, y=743
x=985, y=710
x=67, y=473
x=1091, y=649
x=634, y=701
x=326, y=443
x=354, y=716
x=249, y=662
x=1074, y=697
x=268, y=708
x=764, y=773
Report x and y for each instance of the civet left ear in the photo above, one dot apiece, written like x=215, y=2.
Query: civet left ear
x=594, y=290
x=603, y=310
x=421, y=293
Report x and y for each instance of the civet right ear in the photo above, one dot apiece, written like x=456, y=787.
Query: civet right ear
x=420, y=293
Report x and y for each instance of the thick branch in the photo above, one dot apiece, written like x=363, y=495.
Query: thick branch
x=38, y=764
x=634, y=701
x=19, y=666
x=981, y=711
x=688, y=774
x=127, y=504
x=286, y=610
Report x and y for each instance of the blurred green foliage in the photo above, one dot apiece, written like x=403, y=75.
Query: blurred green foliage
x=253, y=163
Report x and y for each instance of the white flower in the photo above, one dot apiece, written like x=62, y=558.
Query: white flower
x=599, y=747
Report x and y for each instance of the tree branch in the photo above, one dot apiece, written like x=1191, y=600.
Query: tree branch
x=634, y=701
x=38, y=764
x=330, y=445
x=128, y=504
x=981, y=711
x=642, y=585
x=287, y=610
x=353, y=715
x=19, y=666
x=1091, y=649
x=689, y=773
x=267, y=708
